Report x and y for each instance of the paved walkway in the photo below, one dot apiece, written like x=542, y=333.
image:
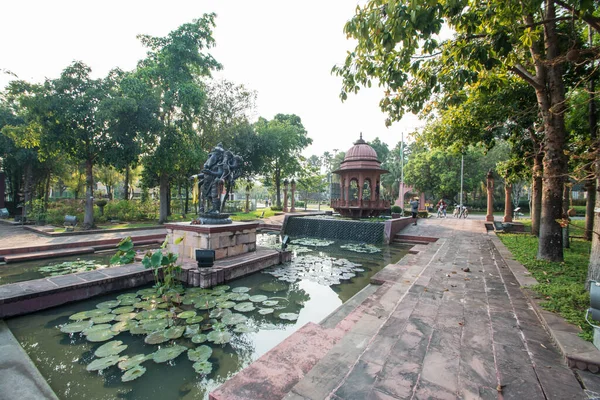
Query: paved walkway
x=448, y=322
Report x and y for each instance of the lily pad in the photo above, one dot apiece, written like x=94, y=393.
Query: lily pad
x=200, y=353
x=205, y=304
x=259, y=298
x=194, y=320
x=154, y=325
x=123, y=326
x=129, y=301
x=156, y=337
x=133, y=361
x=234, y=319
x=168, y=353
x=221, y=288
x=108, y=304
x=244, y=307
x=110, y=349
x=273, y=286
x=174, y=332
x=219, y=326
x=191, y=330
x=102, y=319
x=243, y=328
x=127, y=296
x=133, y=373
x=98, y=311
x=239, y=296
x=76, y=326
x=240, y=289
x=270, y=303
x=220, y=313
x=187, y=314
x=219, y=337
x=138, y=330
x=265, y=311
x=288, y=316
x=102, y=363
x=202, y=367
x=94, y=328
x=125, y=316
x=80, y=316
x=123, y=310
x=312, y=242
x=226, y=304
x=199, y=338
x=100, y=335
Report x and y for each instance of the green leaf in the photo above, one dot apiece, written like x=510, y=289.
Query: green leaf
x=156, y=259
x=125, y=244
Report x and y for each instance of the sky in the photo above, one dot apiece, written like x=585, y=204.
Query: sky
x=283, y=50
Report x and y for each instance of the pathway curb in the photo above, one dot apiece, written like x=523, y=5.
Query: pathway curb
x=579, y=354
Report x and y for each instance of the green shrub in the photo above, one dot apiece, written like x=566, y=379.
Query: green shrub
x=396, y=209
x=55, y=214
x=130, y=210
x=299, y=204
x=275, y=208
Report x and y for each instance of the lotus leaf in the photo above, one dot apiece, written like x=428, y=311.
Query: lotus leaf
x=219, y=326
x=129, y=301
x=103, y=363
x=240, y=289
x=143, y=304
x=265, y=311
x=206, y=305
x=133, y=373
x=94, y=328
x=243, y=328
x=288, y=316
x=108, y=304
x=156, y=337
x=244, y=307
x=174, y=332
x=202, y=367
x=186, y=314
x=270, y=303
x=194, y=320
x=110, y=349
x=221, y=288
x=168, y=353
x=97, y=312
x=219, y=337
x=273, y=287
x=199, y=338
x=138, y=330
x=143, y=292
x=125, y=316
x=101, y=335
x=234, y=319
x=74, y=327
x=204, y=298
x=162, y=305
x=123, y=326
x=259, y=298
x=126, y=296
x=102, y=319
x=226, y=304
x=200, y=353
x=123, y=310
x=133, y=361
x=220, y=313
x=361, y=248
x=189, y=300
x=154, y=325
x=312, y=242
x=191, y=330
x=80, y=316
x=206, y=327
x=239, y=296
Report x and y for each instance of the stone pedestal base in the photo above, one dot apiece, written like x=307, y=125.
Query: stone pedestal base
x=226, y=240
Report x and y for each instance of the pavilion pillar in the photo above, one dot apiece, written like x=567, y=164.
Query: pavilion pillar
x=490, y=197
x=508, y=209
x=373, y=180
x=293, y=209
x=285, y=191
x=361, y=183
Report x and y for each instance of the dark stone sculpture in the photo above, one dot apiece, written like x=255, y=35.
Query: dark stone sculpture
x=220, y=171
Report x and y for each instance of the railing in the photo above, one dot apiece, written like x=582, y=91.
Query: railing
x=366, y=204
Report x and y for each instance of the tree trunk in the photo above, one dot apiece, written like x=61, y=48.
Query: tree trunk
x=594, y=265
x=88, y=218
x=181, y=205
x=164, y=198
x=551, y=100
x=187, y=199
x=591, y=185
x=536, y=194
x=565, y=210
x=278, y=187
x=47, y=191
x=27, y=191
x=126, y=191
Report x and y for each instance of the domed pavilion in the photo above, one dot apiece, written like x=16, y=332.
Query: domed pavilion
x=360, y=174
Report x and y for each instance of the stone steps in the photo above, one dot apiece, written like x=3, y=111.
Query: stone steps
x=39, y=255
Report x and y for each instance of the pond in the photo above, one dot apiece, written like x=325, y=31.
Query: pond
x=223, y=329
x=37, y=269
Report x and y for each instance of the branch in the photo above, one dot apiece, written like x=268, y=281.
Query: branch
x=592, y=21
x=546, y=21
x=523, y=73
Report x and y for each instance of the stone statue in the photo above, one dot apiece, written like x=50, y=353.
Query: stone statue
x=219, y=172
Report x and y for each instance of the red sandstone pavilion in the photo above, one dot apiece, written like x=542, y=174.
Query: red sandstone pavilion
x=359, y=183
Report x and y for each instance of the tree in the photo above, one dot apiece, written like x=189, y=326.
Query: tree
x=398, y=45
x=173, y=68
x=282, y=138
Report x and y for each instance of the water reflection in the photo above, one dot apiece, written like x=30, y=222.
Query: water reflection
x=62, y=358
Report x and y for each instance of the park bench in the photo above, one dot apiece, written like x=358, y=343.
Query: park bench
x=70, y=223
x=3, y=213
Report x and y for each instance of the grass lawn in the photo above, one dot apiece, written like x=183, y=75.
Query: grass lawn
x=561, y=285
x=253, y=215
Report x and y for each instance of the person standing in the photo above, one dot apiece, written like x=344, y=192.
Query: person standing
x=414, y=208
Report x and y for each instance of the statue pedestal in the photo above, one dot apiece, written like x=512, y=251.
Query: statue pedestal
x=226, y=240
